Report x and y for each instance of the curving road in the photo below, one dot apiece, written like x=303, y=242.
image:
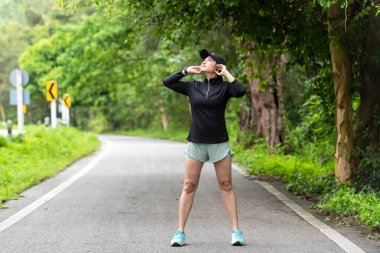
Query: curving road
x=127, y=201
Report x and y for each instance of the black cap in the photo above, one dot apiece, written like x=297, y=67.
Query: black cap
x=204, y=53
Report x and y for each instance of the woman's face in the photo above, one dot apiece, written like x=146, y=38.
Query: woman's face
x=208, y=65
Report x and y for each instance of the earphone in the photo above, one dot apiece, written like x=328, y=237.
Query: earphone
x=219, y=70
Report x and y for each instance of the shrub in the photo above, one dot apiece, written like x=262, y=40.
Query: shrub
x=3, y=142
x=344, y=201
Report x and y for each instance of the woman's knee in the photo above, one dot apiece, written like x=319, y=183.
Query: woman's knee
x=226, y=185
x=189, y=187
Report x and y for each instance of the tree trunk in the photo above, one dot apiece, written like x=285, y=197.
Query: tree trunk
x=369, y=108
x=265, y=89
x=342, y=74
x=163, y=115
x=366, y=127
x=2, y=113
x=30, y=115
x=244, y=119
x=279, y=81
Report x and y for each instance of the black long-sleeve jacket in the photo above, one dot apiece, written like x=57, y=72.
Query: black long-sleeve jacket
x=208, y=100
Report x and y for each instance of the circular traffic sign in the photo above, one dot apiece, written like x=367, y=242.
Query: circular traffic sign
x=24, y=77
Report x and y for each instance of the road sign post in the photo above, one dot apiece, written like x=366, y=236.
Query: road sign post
x=66, y=109
x=9, y=127
x=64, y=115
x=52, y=96
x=20, y=114
x=19, y=78
x=53, y=112
x=64, y=121
x=67, y=116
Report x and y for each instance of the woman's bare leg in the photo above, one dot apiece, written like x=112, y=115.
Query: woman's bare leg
x=223, y=174
x=193, y=170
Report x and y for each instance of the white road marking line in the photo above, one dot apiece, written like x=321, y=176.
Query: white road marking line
x=332, y=234
x=54, y=192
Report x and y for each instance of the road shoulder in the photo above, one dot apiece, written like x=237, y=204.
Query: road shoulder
x=354, y=232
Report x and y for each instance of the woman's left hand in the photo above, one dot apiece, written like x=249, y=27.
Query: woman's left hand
x=220, y=69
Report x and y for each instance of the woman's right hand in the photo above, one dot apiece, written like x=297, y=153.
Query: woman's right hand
x=194, y=69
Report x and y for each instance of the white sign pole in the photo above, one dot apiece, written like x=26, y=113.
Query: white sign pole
x=20, y=114
x=68, y=116
x=53, y=113
x=63, y=113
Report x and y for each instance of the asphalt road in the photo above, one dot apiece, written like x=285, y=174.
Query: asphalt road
x=128, y=202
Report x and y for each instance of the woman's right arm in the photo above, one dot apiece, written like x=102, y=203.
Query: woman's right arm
x=173, y=82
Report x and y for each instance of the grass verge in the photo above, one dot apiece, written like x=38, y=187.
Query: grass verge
x=39, y=154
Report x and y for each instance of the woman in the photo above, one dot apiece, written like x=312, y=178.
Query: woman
x=208, y=138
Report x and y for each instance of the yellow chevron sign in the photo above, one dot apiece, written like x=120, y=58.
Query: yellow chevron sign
x=51, y=90
x=66, y=100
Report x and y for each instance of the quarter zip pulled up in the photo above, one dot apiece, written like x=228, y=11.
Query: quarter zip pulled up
x=208, y=88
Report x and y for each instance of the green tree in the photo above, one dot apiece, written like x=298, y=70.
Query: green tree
x=23, y=23
x=114, y=83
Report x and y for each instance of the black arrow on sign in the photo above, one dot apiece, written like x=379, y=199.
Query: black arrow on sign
x=50, y=91
x=67, y=97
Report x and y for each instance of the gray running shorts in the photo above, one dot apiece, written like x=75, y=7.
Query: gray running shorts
x=208, y=152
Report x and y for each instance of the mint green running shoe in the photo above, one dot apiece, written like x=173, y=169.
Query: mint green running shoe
x=178, y=239
x=237, y=238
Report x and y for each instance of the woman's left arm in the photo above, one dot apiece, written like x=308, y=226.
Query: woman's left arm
x=234, y=88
